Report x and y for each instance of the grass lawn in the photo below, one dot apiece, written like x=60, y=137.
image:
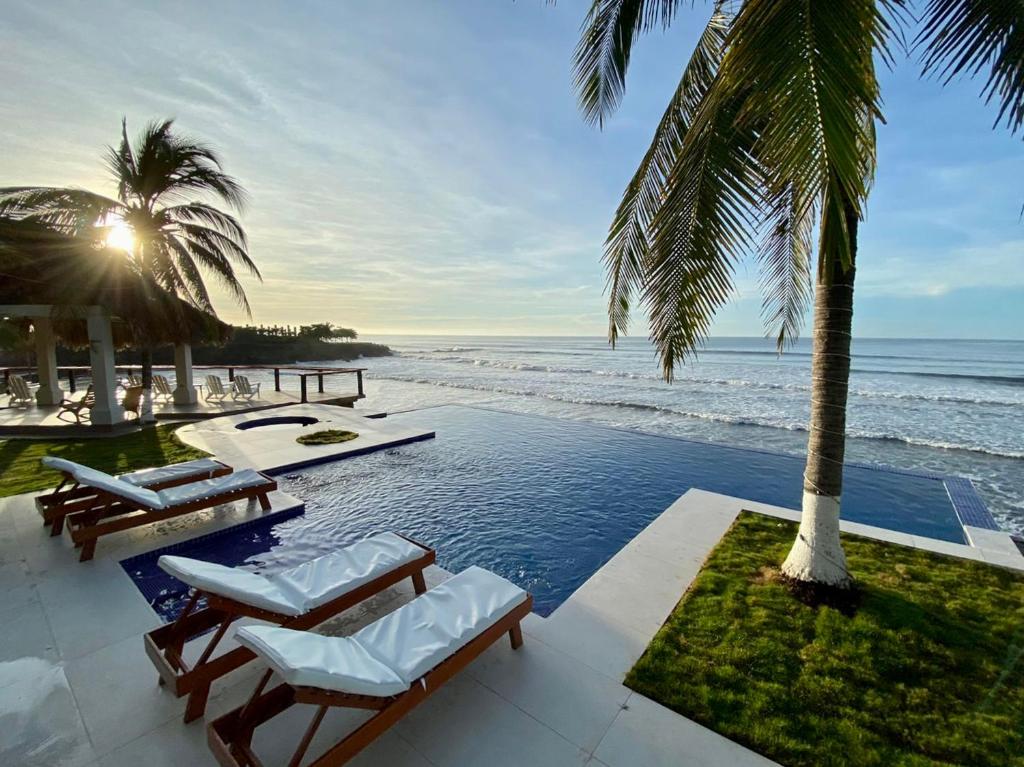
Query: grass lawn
x=930, y=671
x=21, y=472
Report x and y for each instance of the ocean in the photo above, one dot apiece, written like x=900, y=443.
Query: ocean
x=943, y=406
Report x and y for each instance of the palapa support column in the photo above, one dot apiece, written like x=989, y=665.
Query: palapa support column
x=49, y=392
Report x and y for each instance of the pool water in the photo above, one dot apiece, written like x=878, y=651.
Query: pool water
x=541, y=501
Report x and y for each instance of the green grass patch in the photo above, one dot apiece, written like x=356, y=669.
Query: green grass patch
x=930, y=670
x=21, y=472
x=328, y=437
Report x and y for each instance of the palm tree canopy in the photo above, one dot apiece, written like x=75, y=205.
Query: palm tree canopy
x=176, y=237
x=769, y=138
x=41, y=265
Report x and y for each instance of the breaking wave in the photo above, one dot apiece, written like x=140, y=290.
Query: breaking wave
x=761, y=421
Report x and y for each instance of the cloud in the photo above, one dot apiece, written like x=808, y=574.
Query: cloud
x=937, y=272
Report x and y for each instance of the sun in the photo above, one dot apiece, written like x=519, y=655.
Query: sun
x=119, y=235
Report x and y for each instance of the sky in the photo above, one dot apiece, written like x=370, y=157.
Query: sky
x=422, y=167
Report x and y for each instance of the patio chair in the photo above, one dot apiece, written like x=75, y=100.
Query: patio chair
x=387, y=668
x=242, y=389
x=215, y=389
x=122, y=506
x=133, y=379
x=19, y=391
x=77, y=407
x=298, y=598
x=71, y=495
x=162, y=388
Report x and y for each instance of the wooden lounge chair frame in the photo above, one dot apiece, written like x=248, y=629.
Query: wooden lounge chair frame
x=114, y=513
x=230, y=736
x=166, y=644
x=76, y=406
x=70, y=497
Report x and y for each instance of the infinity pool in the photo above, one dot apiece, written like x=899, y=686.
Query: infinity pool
x=543, y=502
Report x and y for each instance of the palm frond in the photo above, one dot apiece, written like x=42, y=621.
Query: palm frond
x=71, y=211
x=198, y=295
x=217, y=263
x=627, y=243
x=602, y=55
x=786, y=262
x=702, y=228
x=967, y=37
x=814, y=97
x=221, y=243
x=199, y=212
x=121, y=163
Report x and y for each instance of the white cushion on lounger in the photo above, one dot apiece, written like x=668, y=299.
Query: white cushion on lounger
x=194, y=491
x=102, y=481
x=387, y=656
x=325, y=578
x=196, y=468
x=304, y=659
x=61, y=464
x=422, y=633
x=232, y=582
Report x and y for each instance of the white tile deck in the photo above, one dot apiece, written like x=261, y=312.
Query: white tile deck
x=269, y=449
x=76, y=688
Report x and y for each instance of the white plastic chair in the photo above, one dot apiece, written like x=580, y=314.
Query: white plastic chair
x=215, y=388
x=243, y=389
x=19, y=391
x=162, y=388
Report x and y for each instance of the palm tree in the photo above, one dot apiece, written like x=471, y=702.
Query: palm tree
x=169, y=236
x=768, y=141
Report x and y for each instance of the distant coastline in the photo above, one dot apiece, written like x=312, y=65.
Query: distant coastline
x=249, y=345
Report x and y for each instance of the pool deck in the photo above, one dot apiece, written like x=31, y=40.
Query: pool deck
x=77, y=689
x=42, y=421
x=275, y=450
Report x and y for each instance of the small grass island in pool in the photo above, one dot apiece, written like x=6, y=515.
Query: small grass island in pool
x=543, y=502
x=328, y=437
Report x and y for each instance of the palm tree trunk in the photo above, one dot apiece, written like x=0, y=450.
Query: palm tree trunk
x=817, y=555
x=146, y=405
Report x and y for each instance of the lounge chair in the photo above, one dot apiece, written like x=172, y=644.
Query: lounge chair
x=298, y=598
x=215, y=389
x=122, y=506
x=71, y=495
x=19, y=391
x=77, y=407
x=242, y=389
x=133, y=379
x=162, y=388
x=388, y=667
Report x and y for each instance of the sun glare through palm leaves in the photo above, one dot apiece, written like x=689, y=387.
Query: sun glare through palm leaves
x=118, y=234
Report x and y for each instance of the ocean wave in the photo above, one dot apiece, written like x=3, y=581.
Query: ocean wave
x=732, y=382
x=445, y=350
x=1001, y=380
x=770, y=423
